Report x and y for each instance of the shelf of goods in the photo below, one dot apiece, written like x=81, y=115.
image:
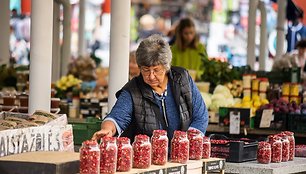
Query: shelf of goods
x=222, y=129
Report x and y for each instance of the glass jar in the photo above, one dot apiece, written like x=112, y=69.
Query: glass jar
x=255, y=84
x=195, y=144
x=286, y=89
x=159, y=147
x=206, y=148
x=263, y=84
x=294, y=89
x=262, y=95
x=179, y=147
x=246, y=80
x=124, y=157
x=292, y=144
x=254, y=94
x=246, y=92
x=285, y=147
x=89, y=158
x=276, y=147
x=264, y=153
x=142, y=152
x=108, y=151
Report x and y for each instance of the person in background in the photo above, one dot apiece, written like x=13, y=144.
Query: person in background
x=299, y=55
x=161, y=97
x=295, y=58
x=187, y=51
x=147, y=27
x=133, y=67
x=296, y=29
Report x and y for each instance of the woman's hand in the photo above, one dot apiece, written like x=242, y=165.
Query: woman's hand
x=108, y=128
x=101, y=133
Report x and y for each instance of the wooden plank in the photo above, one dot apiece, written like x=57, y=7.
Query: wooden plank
x=40, y=162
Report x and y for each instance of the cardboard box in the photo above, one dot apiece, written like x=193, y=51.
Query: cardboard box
x=53, y=136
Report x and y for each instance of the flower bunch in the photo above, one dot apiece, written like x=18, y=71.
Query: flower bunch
x=67, y=86
x=67, y=82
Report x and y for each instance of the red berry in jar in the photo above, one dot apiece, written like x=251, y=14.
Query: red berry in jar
x=141, y=152
x=124, y=157
x=285, y=147
x=89, y=157
x=264, y=152
x=179, y=147
x=206, y=148
x=159, y=147
x=276, y=147
x=108, y=160
x=292, y=144
x=195, y=144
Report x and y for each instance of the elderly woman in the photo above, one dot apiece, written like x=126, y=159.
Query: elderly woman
x=161, y=97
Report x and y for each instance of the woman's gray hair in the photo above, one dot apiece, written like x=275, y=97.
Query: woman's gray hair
x=154, y=51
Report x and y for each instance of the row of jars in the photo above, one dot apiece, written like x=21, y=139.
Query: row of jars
x=118, y=155
x=278, y=148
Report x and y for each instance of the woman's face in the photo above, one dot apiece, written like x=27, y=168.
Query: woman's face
x=188, y=35
x=153, y=75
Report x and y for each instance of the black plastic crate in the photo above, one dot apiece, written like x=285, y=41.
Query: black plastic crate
x=279, y=121
x=297, y=122
x=233, y=150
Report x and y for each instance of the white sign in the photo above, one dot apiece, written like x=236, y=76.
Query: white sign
x=234, y=122
x=266, y=118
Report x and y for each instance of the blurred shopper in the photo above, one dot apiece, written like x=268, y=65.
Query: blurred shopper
x=187, y=51
x=296, y=30
x=295, y=58
x=299, y=55
x=147, y=27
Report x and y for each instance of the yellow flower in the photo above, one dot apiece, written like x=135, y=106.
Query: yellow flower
x=64, y=79
x=70, y=77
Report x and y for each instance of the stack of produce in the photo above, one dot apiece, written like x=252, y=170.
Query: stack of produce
x=283, y=106
x=291, y=92
x=235, y=87
x=221, y=97
x=254, y=104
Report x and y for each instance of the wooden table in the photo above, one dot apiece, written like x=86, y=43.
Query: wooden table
x=40, y=162
x=68, y=163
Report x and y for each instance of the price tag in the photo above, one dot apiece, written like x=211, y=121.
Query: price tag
x=266, y=118
x=234, y=122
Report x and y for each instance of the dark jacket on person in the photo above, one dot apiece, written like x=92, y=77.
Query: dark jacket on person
x=147, y=116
